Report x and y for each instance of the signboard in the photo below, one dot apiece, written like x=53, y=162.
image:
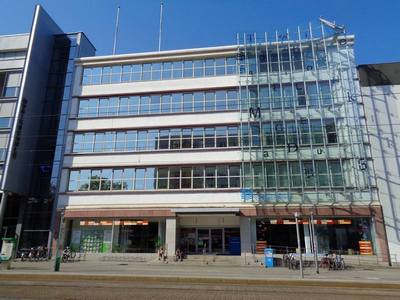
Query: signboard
x=365, y=247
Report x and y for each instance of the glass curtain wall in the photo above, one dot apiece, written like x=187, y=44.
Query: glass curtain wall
x=301, y=125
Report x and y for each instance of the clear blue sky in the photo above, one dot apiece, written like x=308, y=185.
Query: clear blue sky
x=202, y=23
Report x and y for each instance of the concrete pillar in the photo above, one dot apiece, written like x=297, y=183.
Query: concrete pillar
x=161, y=231
x=170, y=236
x=246, y=235
x=307, y=238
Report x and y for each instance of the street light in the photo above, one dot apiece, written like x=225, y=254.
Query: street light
x=314, y=243
x=296, y=215
x=59, y=243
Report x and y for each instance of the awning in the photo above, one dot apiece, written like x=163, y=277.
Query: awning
x=207, y=211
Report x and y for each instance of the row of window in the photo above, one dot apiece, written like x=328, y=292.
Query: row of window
x=156, y=104
x=296, y=174
x=157, y=139
x=155, y=178
x=278, y=133
x=9, y=84
x=10, y=55
x=293, y=59
x=159, y=71
x=273, y=97
x=304, y=132
x=300, y=94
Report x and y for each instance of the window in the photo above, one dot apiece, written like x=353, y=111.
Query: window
x=162, y=178
x=156, y=104
x=10, y=84
x=158, y=71
x=150, y=178
x=157, y=139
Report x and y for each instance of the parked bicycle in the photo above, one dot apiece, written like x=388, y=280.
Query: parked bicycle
x=68, y=255
x=39, y=253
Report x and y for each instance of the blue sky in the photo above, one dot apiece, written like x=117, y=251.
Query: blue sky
x=203, y=23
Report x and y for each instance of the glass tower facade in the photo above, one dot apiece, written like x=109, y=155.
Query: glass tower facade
x=302, y=120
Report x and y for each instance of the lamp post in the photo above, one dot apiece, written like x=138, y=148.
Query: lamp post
x=296, y=215
x=315, y=243
x=59, y=249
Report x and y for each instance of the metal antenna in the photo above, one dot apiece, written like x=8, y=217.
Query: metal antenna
x=332, y=25
x=160, y=32
x=116, y=32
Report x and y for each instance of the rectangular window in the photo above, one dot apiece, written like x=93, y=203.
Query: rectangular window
x=187, y=69
x=186, y=138
x=187, y=102
x=209, y=67
x=176, y=103
x=174, y=178
x=166, y=103
x=146, y=73
x=116, y=72
x=156, y=71
x=175, y=138
x=222, y=177
x=209, y=137
x=198, y=177
x=210, y=177
x=166, y=70
x=140, y=177
x=126, y=73
x=162, y=178
x=198, y=101
x=118, y=177
x=221, y=137
x=220, y=66
x=155, y=102
x=12, y=85
x=164, y=139
x=177, y=69
x=198, y=66
x=186, y=181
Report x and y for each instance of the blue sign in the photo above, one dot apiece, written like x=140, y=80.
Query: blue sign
x=246, y=195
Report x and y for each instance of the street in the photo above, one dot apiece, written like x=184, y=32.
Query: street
x=136, y=289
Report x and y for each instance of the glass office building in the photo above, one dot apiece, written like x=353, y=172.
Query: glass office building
x=36, y=71
x=213, y=150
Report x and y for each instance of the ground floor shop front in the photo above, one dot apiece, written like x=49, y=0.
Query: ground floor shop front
x=228, y=232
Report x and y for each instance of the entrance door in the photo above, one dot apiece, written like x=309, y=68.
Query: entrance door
x=203, y=240
x=217, y=240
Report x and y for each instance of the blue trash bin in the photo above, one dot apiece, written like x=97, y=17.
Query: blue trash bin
x=269, y=257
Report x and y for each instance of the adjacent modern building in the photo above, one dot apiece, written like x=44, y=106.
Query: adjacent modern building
x=213, y=150
x=36, y=71
x=380, y=91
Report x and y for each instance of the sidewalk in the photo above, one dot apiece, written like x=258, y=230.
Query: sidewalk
x=111, y=270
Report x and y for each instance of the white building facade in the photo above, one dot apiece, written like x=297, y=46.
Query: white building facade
x=213, y=150
x=380, y=89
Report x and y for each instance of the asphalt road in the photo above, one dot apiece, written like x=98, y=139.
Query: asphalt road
x=92, y=289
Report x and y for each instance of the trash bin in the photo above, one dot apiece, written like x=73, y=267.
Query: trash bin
x=7, y=252
x=269, y=257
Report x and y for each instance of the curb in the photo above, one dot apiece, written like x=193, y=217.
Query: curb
x=199, y=280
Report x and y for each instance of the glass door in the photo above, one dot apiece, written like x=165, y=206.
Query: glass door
x=217, y=240
x=203, y=240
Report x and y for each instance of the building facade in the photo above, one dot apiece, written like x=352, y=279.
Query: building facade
x=380, y=89
x=213, y=150
x=35, y=81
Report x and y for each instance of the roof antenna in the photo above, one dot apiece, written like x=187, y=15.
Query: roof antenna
x=160, y=31
x=116, y=32
x=332, y=25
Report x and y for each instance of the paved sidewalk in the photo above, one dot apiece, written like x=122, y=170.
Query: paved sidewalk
x=182, y=271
